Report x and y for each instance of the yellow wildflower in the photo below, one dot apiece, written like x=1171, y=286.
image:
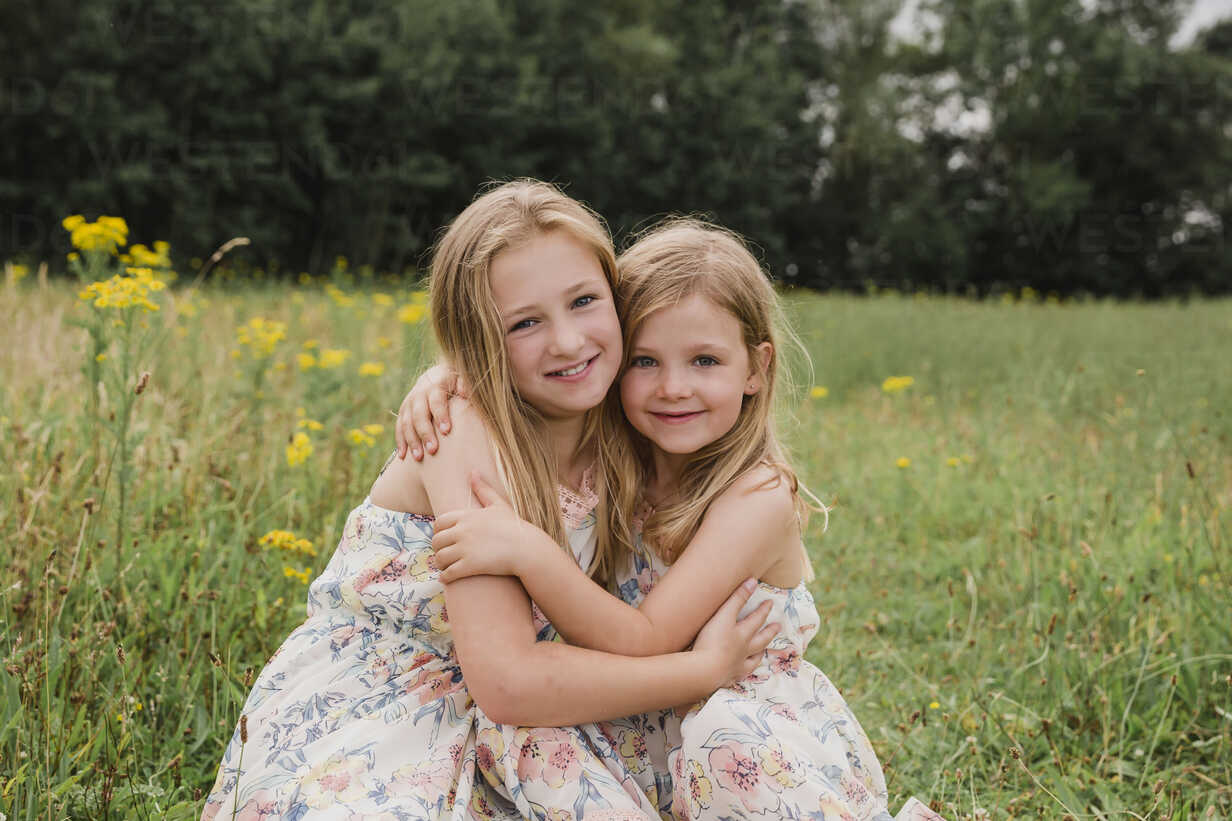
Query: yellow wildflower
x=953, y=461
x=299, y=450
x=897, y=384
x=288, y=541
x=261, y=335
x=107, y=234
x=309, y=344
x=333, y=357
x=903, y=462
x=100, y=357
x=371, y=369
x=311, y=424
x=819, y=392
x=384, y=300
x=73, y=256
x=934, y=705
x=19, y=272
x=306, y=361
x=339, y=296
x=358, y=437
x=412, y=314
x=304, y=575
x=383, y=342
x=124, y=290
x=373, y=430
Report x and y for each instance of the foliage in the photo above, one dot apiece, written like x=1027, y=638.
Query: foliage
x=848, y=155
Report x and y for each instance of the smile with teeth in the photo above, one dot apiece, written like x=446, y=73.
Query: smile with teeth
x=576, y=369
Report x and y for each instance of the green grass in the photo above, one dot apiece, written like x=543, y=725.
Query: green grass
x=1061, y=593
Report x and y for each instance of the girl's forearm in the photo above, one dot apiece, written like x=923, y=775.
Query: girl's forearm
x=583, y=612
x=556, y=685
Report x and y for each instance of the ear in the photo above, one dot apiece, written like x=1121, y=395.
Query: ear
x=759, y=365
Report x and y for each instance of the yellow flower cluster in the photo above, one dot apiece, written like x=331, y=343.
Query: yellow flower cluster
x=299, y=450
x=19, y=272
x=158, y=259
x=819, y=392
x=124, y=290
x=332, y=357
x=107, y=234
x=384, y=300
x=365, y=436
x=261, y=335
x=286, y=540
x=304, y=575
x=310, y=424
x=371, y=369
x=902, y=462
x=897, y=384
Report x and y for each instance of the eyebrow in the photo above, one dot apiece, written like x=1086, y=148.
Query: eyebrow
x=701, y=347
x=589, y=283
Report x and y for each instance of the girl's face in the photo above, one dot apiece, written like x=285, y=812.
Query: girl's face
x=560, y=324
x=688, y=375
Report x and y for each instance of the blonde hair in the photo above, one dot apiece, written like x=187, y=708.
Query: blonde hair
x=677, y=259
x=472, y=338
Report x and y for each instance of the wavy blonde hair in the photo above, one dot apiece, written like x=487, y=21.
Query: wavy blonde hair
x=674, y=260
x=472, y=338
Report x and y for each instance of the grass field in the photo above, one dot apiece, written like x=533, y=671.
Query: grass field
x=1026, y=586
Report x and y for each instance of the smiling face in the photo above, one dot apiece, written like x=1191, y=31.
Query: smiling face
x=559, y=321
x=689, y=372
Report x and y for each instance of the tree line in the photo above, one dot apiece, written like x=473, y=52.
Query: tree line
x=1057, y=144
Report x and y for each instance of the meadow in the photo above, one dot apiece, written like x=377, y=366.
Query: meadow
x=1025, y=584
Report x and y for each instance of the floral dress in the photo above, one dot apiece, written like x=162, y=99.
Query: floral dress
x=781, y=743
x=362, y=713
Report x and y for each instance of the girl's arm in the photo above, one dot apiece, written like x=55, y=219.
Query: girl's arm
x=517, y=680
x=743, y=534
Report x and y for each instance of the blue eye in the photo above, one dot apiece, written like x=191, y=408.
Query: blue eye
x=706, y=361
x=525, y=323
x=582, y=301
x=642, y=362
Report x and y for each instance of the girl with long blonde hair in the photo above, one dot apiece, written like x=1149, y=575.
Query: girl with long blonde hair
x=402, y=693
x=718, y=501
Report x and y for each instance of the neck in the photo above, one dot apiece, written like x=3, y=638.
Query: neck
x=667, y=470
x=565, y=439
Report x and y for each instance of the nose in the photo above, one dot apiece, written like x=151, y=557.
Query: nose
x=567, y=339
x=673, y=384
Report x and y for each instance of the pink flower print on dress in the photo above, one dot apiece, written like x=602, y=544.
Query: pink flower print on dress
x=390, y=572
x=736, y=772
x=335, y=781
x=785, y=711
x=429, y=683
x=785, y=660
x=262, y=806
x=548, y=755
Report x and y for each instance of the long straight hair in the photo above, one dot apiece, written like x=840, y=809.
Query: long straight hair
x=675, y=260
x=471, y=335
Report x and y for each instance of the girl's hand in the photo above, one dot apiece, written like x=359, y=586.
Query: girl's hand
x=427, y=402
x=487, y=541
x=736, y=647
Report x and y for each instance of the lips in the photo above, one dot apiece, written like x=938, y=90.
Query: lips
x=676, y=417
x=574, y=370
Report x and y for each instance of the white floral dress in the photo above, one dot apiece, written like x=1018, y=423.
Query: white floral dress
x=781, y=743
x=362, y=713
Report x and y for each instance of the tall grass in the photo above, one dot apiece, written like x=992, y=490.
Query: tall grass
x=1030, y=618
